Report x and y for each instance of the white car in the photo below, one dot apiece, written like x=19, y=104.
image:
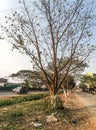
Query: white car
x=17, y=90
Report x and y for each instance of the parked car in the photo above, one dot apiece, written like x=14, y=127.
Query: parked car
x=20, y=90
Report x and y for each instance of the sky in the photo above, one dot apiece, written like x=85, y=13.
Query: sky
x=10, y=61
x=13, y=61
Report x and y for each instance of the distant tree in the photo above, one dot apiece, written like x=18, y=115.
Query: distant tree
x=31, y=78
x=69, y=83
x=90, y=80
x=49, y=30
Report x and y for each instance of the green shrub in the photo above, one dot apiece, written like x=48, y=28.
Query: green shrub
x=6, y=102
x=21, y=99
x=59, y=103
x=46, y=105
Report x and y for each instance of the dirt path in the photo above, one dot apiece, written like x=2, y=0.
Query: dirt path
x=89, y=101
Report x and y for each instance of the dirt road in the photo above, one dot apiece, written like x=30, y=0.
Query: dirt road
x=89, y=101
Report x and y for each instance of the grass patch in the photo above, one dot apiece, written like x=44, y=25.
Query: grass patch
x=48, y=108
x=22, y=116
x=16, y=113
x=11, y=120
x=20, y=99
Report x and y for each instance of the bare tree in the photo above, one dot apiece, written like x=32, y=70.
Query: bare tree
x=48, y=30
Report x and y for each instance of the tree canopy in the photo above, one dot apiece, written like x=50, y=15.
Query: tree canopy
x=90, y=80
x=32, y=78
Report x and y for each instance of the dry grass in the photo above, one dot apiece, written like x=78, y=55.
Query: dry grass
x=21, y=116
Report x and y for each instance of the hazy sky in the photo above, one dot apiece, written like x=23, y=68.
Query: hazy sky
x=13, y=61
x=10, y=61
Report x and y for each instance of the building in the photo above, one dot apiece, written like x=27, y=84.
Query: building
x=3, y=81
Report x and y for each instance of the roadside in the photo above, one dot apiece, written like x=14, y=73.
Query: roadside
x=79, y=116
x=89, y=102
x=74, y=116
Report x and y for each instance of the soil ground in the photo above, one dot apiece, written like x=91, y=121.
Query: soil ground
x=82, y=115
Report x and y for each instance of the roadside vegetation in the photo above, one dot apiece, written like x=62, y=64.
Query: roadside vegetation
x=33, y=115
x=59, y=50
x=88, y=83
x=20, y=99
x=59, y=46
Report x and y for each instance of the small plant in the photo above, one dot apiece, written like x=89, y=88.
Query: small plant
x=17, y=113
x=46, y=105
x=59, y=103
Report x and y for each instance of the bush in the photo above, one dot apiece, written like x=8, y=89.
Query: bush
x=84, y=87
x=59, y=103
x=47, y=106
x=21, y=99
x=6, y=102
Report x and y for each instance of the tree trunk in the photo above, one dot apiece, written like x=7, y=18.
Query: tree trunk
x=53, y=97
x=54, y=100
x=65, y=94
